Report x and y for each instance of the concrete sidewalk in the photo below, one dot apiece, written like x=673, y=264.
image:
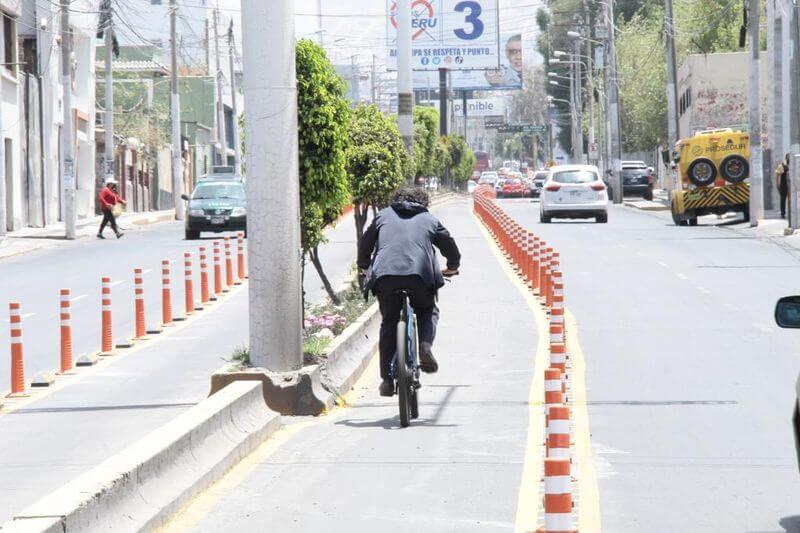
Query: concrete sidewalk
x=31, y=239
x=457, y=468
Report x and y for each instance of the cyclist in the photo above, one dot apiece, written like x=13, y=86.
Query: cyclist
x=402, y=237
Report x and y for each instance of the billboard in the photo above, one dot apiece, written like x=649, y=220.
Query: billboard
x=480, y=107
x=453, y=34
x=506, y=76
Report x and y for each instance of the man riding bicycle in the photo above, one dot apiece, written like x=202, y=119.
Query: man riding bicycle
x=402, y=237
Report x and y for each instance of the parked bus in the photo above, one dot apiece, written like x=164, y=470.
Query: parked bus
x=482, y=162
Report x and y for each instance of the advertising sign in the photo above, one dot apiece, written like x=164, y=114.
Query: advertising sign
x=453, y=34
x=507, y=76
x=480, y=107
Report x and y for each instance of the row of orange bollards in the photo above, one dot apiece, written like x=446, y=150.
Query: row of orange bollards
x=140, y=329
x=538, y=264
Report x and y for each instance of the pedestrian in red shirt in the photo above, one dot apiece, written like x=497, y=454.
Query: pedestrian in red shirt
x=109, y=198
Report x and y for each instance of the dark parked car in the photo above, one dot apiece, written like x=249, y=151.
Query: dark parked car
x=637, y=180
x=539, y=177
x=216, y=206
x=787, y=315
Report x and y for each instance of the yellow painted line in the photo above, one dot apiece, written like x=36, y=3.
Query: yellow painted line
x=582, y=457
x=529, y=501
x=77, y=374
x=204, y=503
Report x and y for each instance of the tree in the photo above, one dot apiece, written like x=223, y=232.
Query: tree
x=462, y=159
x=322, y=116
x=377, y=162
x=426, y=128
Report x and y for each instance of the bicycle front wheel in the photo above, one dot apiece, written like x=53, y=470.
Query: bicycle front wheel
x=403, y=375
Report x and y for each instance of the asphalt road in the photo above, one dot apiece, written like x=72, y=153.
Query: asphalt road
x=50, y=441
x=690, y=383
x=458, y=468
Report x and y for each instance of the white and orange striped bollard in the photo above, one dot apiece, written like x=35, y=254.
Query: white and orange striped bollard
x=65, y=332
x=217, y=270
x=205, y=297
x=107, y=334
x=188, y=283
x=558, y=434
x=228, y=264
x=240, y=256
x=17, y=361
x=557, y=497
x=138, y=295
x=553, y=388
x=166, y=295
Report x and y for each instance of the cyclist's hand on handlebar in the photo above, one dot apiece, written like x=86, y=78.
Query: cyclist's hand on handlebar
x=448, y=273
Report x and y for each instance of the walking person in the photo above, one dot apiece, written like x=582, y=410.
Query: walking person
x=782, y=182
x=109, y=200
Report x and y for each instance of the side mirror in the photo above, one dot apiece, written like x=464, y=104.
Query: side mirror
x=787, y=312
x=185, y=197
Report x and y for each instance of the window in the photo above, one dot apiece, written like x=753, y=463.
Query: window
x=9, y=43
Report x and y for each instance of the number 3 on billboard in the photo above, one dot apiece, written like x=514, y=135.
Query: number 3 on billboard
x=473, y=18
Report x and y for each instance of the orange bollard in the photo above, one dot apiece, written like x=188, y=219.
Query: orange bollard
x=557, y=497
x=544, y=263
x=138, y=294
x=166, y=295
x=554, y=266
x=17, y=362
x=558, y=432
x=188, y=285
x=535, y=263
x=204, y=296
x=107, y=335
x=558, y=350
x=228, y=263
x=240, y=256
x=553, y=389
x=217, y=270
x=66, y=332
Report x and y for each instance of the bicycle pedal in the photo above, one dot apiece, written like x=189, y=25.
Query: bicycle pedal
x=417, y=385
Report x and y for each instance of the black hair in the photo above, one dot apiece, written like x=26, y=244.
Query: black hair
x=416, y=195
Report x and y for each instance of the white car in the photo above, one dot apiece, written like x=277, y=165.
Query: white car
x=574, y=191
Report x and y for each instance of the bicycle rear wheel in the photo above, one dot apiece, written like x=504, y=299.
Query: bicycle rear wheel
x=403, y=375
x=414, y=385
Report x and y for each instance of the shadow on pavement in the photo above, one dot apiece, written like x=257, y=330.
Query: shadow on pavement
x=102, y=408
x=392, y=423
x=790, y=523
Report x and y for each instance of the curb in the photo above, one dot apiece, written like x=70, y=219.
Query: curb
x=144, y=485
x=646, y=205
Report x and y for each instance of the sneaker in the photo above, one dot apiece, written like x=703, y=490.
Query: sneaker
x=386, y=387
x=120, y=234
x=427, y=362
x=100, y=236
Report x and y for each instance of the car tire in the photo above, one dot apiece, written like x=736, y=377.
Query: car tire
x=693, y=221
x=648, y=195
x=746, y=212
x=601, y=219
x=192, y=235
x=545, y=219
x=702, y=172
x=734, y=169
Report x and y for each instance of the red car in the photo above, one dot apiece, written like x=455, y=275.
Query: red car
x=513, y=187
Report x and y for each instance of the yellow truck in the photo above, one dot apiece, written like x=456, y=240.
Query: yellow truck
x=712, y=168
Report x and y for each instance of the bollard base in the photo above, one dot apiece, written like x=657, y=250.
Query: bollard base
x=44, y=380
x=22, y=394
x=87, y=360
x=154, y=331
x=108, y=353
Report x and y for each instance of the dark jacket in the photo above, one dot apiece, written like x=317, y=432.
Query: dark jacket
x=402, y=237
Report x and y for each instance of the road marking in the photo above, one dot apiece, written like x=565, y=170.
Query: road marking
x=118, y=282
x=529, y=500
x=78, y=298
x=680, y=276
x=663, y=264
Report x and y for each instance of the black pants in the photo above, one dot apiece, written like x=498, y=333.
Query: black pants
x=784, y=192
x=108, y=218
x=423, y=300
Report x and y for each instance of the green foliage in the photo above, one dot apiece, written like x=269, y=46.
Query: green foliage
x=441, y=157
x=462, y=158
x=377, y=161
x=322, y=116
x=426, y=132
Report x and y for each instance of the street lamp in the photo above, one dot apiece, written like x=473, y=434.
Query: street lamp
x=576, y=35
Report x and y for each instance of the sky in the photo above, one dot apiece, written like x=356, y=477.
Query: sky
x=358, y=27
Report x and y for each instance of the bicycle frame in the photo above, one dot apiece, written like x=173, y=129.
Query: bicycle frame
x=409, y=317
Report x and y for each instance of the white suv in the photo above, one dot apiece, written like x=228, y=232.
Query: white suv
x=574, y=191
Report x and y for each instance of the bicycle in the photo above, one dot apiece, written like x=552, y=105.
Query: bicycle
x=405, y=367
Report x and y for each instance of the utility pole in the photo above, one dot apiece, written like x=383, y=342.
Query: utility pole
x=464, y=112
x=756, y=167
x=319, y=24
x=673, y=122
x=237, y=143
x=794, y=219
x=175, y=115
x=578, y=100
x=573, y=113
x=273, y=218
x=221, y=139
x=442, y=102
x=593, y=152
x=372, y=81
x=67, y=148
x=612, y=93
x=405, y=92
x=108, y=163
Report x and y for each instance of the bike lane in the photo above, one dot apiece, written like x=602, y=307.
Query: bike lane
x=459, y=467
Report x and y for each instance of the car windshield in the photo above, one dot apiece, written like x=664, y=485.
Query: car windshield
x=209, y=191
x=575, y=176
x=628, y=172
x=540, y=176
x=513, y=182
